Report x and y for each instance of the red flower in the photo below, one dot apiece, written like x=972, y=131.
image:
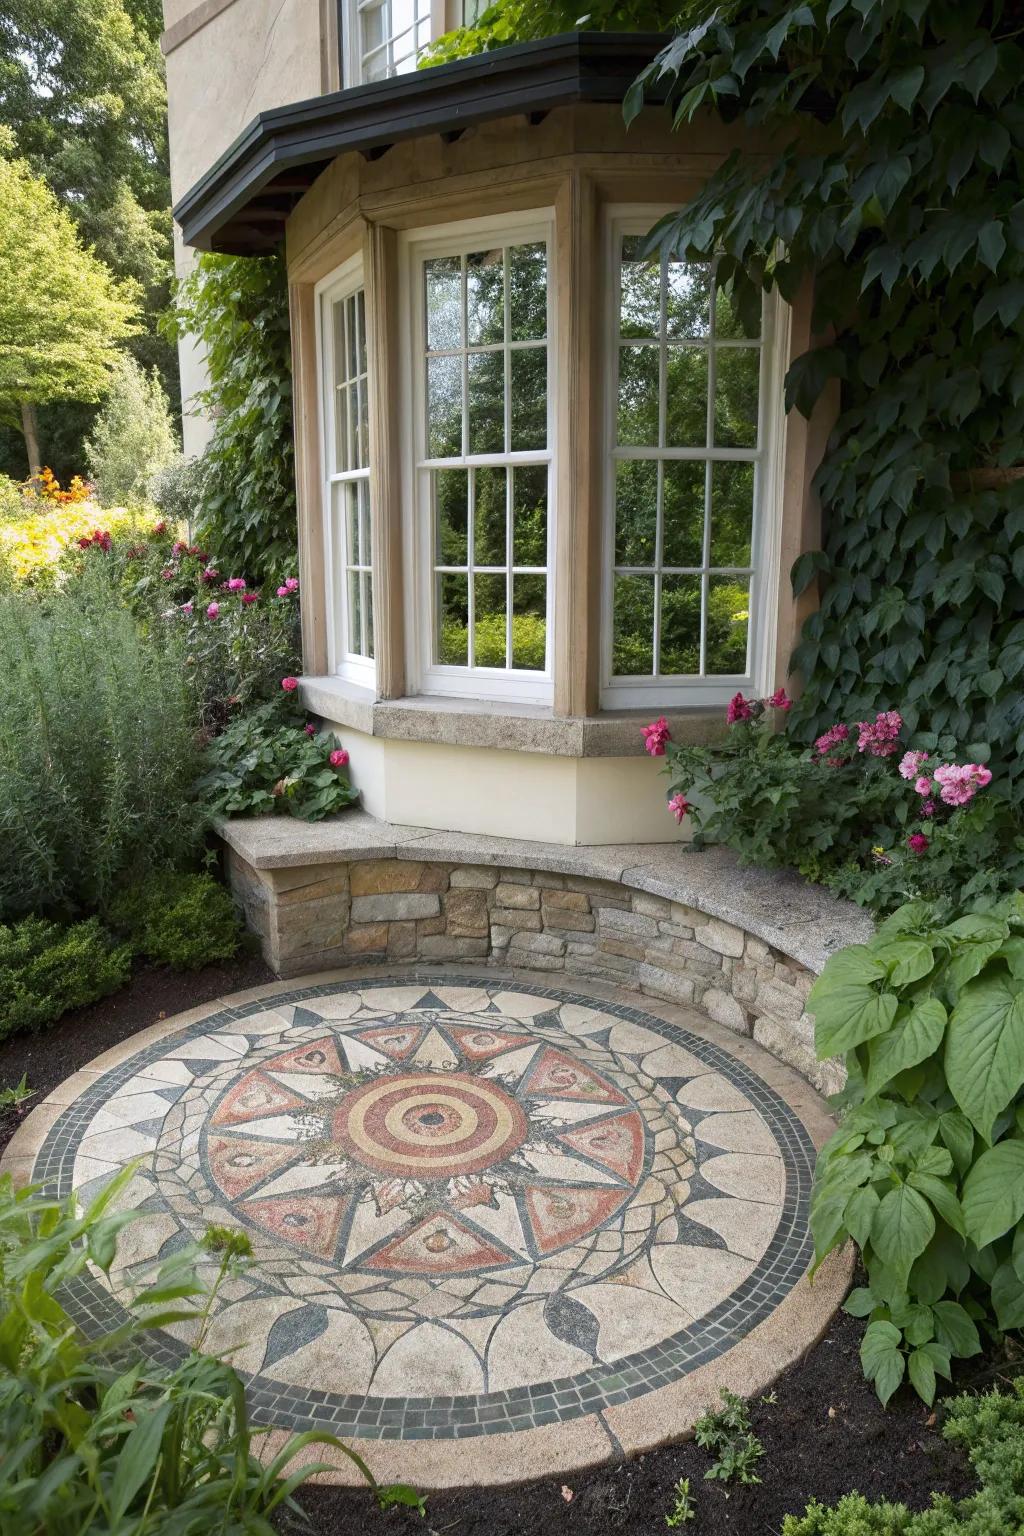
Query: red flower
x=655, y=736
x=780, y=700
x=289, y=684
x=917, y=842
x=737, y=709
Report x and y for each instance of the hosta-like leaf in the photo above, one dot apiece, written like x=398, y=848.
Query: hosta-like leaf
x=918, y=1037
x=905, y=960
x=993, y=1193
x=984, y=1054
x=848, y=1015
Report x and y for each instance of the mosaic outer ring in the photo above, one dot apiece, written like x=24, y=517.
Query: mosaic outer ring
x=363, y=1417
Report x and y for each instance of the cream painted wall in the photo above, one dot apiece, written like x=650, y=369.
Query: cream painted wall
x=530, y=795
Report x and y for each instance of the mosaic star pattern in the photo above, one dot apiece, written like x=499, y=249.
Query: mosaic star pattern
x=474, y=1206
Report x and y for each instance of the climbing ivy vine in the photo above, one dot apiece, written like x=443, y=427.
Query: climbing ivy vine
x=894, y=181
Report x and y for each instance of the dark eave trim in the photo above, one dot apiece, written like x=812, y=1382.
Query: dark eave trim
x=242, y=202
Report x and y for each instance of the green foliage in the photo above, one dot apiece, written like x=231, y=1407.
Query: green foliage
x=894, y=183
x=132, y=437
x=926, y=1172
x=61, y=311
x=17, y=1093
x=46, y=969
x=237, y=307
x=267, y=764
x=529, y=641
x=98, y=749
x=516, y=21
x=682, y=1509
x=183, y=920
x=990, y=1429
x=728, y=1434
x=177, y=489
x=12, y=502
x=845, y=818
x=108, y=1444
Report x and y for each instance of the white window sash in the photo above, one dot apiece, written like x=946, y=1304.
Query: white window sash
x=673, y=690
x=404, y=40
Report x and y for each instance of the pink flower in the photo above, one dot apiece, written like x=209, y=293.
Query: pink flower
x=291, y=584
x=186, y=609
x=250, y=597
x=831, y=738
x=880, y=737
x=923, y=785
x=236, y=584
x=780, y=700
x=339, y=758
x=982, y=775
x=910, y=764
x=679, y=805
x=655, y=736
x=917, y=842
x=737, y=709
x=167, y=575
x=310, y=728
x=927, y=808
x=959, y=782
x=289, y=684
x=209, y=575
x=282, y=591
x=213, y=610
x=179, y=547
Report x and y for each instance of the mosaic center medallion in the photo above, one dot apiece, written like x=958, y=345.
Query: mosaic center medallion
x=475, y=1207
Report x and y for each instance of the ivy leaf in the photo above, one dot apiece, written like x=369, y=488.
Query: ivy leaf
x=993, y=1193
x=984, y=1056
x=806, y=567
x=991, y=244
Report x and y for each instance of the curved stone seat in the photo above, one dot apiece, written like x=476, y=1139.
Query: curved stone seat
x=742, y=944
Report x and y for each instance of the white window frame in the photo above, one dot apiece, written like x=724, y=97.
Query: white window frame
x=355, y=57
x=424, y=674
x=339, y=285
x=671, y=690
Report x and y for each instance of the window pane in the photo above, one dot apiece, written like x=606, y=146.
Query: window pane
x=352, y=335
x=365, y=552
x=636, y=511
x=342, y=451
x=728, y=625
x=486, y=402
x=367, y=581
x=529, y=626
x=361, y=322
x=688, y=299
x=728, y=322
x=453, y=620
x=485, y=297
x=530, y=516
x=682, y=513
x=736, y=385
x=489, y=517
x=362, y=442
x=490, y=596
x=633, y=627
x=529, y=399
x=638, y=397
x=528, y=292
x=732, y=513
x=680, y=626
x=443, y=277
x=350, y=501
x=640, y=290
x=686, y=414
x=355, y=609
x=451, y=516
x=444, y=407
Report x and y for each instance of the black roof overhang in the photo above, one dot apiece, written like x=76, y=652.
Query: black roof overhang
x=240, y=205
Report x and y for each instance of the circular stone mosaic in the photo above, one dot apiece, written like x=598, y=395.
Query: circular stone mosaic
x=475, y=1206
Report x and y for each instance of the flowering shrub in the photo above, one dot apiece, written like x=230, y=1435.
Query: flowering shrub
x=44, y=486
x=269, y=762
x=33, y=546
x=844, y=811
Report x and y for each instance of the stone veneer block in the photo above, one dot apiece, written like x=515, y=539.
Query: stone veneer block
x=395, y=908
x=525, y=896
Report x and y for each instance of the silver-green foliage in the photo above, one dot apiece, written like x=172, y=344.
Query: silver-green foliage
x=98, y=749
x=132, y=438
x=926, y=1172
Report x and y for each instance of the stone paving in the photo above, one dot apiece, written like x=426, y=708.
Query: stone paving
x=486, y=1212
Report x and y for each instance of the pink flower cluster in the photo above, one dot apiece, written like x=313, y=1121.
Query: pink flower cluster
x=656, y=736
x=679, y=805
x=289, y=587
x=835, y=736
x=960, y=782
x=880, y=736
x=738, y=709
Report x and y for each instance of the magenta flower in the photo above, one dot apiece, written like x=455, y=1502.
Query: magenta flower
x=292, y=584
x=250, y=597
x=831, y=738
x=236, y=584
x=209, y=575
x=655, y=736
x=309, y=728
x=780, y=700
x=737, y=709
x=339, y=758
x=213, y=610
x=289, y=684
x=917, y=842
x=880, y=737
x=927, y=808
x=186, y=609
x=167, y=575
x=282, y=591
x=179, y=547
x=910, y=764
x=679, y=805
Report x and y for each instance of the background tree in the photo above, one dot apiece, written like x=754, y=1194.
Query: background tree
x=62, y=313
x=132, y=438
x=82, y=90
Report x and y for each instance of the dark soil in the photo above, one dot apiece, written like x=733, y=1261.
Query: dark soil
x=823, y=1430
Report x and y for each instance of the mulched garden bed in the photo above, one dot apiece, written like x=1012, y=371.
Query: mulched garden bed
x=824, y=1433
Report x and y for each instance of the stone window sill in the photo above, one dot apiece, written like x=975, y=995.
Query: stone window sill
x=508, y=727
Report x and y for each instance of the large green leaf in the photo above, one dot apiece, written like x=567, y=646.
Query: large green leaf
x=985, y=1049
x=848, y=1015
x=955, y=1329
x=919, y=1037
x=993, y=1193
x=905, y=959
x=1008, y=1297
x=902, y=1228
x=882, y=1358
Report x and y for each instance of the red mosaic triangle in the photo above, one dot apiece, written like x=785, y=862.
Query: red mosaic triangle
x=238, y=1164
x=253, y=1098
x=309, y=1221
x=395, y=1040
x=560, y=1215
x=317, y=1056
x=617, y=1143
x=481, y=1044
x=439, y=1245
x=557, y=1076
